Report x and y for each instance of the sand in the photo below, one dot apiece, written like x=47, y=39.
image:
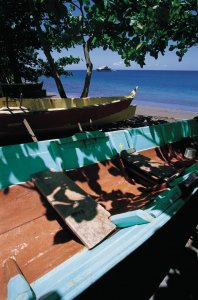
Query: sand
x=165, y=113
x=147, y=116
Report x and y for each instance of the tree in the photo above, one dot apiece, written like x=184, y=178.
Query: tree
x=77, y=29
x=18, y=43
x=86, y=35
x=46, y=48
x=134, y=29
x=137, y=28
x=49, y=27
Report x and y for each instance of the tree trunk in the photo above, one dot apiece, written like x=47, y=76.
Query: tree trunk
x=47, y=52
x=89, y=66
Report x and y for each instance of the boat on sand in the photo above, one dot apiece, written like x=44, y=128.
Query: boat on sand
x=43, y=118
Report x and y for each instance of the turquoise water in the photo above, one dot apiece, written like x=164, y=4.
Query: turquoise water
x=171, y=89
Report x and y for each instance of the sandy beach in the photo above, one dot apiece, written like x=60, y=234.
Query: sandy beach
x=147, y=116
x=164, y=113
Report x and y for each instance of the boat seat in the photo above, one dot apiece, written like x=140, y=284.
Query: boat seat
x=86, y=218
x=146, y=167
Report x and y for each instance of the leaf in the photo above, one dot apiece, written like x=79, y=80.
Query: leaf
x=139, y=45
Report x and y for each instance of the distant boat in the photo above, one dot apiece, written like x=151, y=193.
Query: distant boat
x=104, y=68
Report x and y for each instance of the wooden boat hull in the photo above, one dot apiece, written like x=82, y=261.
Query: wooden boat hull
x=54, y=117
x=50, y=258
x=61, y=119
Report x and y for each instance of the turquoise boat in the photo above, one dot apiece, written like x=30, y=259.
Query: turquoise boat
x=72, y=210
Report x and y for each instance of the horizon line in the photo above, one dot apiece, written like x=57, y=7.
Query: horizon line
x=113, y=70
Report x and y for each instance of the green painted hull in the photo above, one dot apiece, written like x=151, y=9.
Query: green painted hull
x=19, y=162
x=76, y=275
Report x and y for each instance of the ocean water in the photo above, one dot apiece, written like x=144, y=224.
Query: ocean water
x=167, y=89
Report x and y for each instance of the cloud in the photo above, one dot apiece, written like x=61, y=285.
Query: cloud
x=118, y=63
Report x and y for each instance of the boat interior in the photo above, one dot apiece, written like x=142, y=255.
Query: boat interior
x=33, y=235
x=133, y=179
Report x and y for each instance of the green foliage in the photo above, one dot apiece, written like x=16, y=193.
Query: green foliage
x=60, y=65
x=131, y=28
x=19, y=40
x=56, y=8
x=137, y=28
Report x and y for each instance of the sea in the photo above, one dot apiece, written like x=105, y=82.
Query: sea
x=174, y=90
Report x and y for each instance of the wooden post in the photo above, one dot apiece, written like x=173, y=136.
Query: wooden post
x=91, y=123
x=7, y=101
x=21, y=99
x=30, y=131
x=80, y=127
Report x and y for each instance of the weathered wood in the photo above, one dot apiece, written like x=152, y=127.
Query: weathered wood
x=87, y=219
x=30, y=231
x=154, y=168
x=19, y=205
x=38, y=246
x=30, y=131
x=105, y=182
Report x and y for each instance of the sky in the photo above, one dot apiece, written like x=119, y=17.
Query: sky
x=100, y=58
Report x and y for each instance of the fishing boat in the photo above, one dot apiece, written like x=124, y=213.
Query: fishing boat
x=104, y=69
x=43, y=118
x=73, y=210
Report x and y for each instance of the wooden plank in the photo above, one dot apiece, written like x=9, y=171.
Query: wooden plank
x=38, y=246
x=87, y=219
x=150, y=166
x=19, y=205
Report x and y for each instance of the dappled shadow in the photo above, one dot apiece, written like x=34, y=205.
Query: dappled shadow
x=174, y=153
x=106, y=183
x=23, y=203
x=65, y=197
x=85, y=153
x=18, y=162
x=149, y=166
x=162, y=163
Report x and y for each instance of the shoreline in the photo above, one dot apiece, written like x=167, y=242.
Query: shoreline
x=160, y=112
